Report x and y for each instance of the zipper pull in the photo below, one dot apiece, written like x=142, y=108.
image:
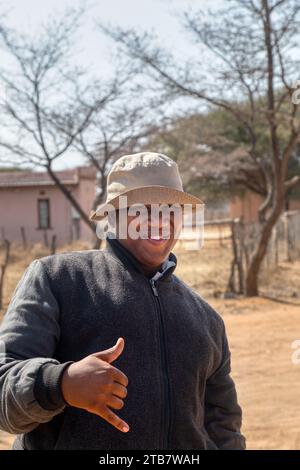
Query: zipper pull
x=154, y=287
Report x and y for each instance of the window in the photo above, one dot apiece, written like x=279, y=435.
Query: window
x=44, y=213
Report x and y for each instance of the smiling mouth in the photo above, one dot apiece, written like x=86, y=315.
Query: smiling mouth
x=156, y=241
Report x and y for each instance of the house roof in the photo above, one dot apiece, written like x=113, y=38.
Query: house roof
x=9, y=179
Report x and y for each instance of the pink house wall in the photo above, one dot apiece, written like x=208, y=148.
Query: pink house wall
x=249, y=204
x=294, y=204
x=19, y=207
x=246, y=206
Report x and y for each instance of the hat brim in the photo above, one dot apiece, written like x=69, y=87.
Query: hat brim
x=153, y=194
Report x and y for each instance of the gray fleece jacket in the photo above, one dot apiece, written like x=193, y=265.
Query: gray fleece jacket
x=176, y=356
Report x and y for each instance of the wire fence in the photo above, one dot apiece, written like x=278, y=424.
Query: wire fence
x=241, y=238
x=284, y=244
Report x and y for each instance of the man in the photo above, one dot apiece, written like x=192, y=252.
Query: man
x=108, y=349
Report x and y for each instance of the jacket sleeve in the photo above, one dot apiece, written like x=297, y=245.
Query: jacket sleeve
x=223, y=415
x=29, y=376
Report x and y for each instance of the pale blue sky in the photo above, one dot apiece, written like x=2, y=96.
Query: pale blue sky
x=158, y=15
x=95, y=49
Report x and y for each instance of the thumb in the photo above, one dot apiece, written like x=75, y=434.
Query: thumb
x=111, y=354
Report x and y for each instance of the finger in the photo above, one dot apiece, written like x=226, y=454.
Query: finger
x=109, y=416
x=119, y=376
x=114, y=402
x=118, y=390
x=111, y=354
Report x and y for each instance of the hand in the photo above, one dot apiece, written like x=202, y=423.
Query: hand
x=93, y=384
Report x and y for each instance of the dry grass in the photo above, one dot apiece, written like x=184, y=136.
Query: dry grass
x=260, y=332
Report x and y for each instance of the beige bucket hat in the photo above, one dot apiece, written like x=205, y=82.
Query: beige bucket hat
x=144, y=178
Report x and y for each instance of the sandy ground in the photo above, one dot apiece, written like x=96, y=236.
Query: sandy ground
x=260, y=330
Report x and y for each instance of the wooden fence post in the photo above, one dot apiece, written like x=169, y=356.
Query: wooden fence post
x=2, y=234
x=276, y=245
x=3, y=269
x=46, y=242
x=291, y=238
x=286, y=235
x=24, y=239
x=220, y=235
x=241, y=236
x=53, y=245
x=237, y=239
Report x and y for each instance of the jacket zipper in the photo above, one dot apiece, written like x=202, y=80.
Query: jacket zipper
x=166, y=379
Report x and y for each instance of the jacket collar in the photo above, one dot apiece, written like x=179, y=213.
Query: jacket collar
x=114, y=247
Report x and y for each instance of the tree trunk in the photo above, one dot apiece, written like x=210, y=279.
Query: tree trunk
x=100, y=197
x=75, y=204
x=261, y=249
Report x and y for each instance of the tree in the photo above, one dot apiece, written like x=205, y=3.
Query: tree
x=211, y=151
x=247, y=67
x=48, y=102
x=117, y=131
x=210, y=154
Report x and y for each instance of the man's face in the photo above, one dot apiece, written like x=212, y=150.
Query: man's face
x=152, y=234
